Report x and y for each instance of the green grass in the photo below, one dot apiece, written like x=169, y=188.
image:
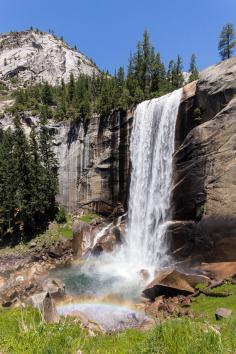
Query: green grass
x=88, y=217
x=66, y=231
x=22, y=332
x=207, y=305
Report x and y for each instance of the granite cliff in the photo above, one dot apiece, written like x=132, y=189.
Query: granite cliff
x=204, y=193
x=34, y=56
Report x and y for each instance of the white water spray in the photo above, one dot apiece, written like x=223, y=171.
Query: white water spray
x=152, y=148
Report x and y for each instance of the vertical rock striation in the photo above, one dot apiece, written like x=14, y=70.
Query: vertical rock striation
x=94, y=161
x=204, y=193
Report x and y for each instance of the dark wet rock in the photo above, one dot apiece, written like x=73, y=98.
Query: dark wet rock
x=223, y=313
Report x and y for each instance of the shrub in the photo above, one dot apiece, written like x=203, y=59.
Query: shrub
x=61, y=216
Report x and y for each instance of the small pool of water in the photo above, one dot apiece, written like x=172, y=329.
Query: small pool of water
x=90, y=281
x=110, y=317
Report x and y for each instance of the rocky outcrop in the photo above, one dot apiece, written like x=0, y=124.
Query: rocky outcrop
x=94, y=162
x=204, y=194
x=34, y=56
x=45, y=304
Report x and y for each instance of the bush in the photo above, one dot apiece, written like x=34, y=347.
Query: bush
x=61, y=216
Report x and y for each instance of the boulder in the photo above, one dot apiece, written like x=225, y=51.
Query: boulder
x=55, y=287
x=223, y=313
x=170, y=282
x=218, y=271
x=45, y=304
x=80, y=229
x=109, y=241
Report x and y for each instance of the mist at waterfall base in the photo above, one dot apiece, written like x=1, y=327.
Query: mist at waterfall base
x=145, y=248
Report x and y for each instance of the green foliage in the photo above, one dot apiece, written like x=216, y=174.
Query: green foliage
x=193, y=69
x=197, y=115
x=101, y=94
x=88, y=217
x=227, y=42
x=28, y=181
x=61, y=216
x=200, y=211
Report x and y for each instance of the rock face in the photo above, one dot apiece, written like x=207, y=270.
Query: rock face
x=94, y=162
x=34, y=56
x=204, y=194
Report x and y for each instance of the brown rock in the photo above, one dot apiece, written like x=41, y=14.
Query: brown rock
x=171, y=282
x=223, y=313
x=218, y=271
x=55, y=287
x=79, y=228
x=108, y=242
x=45, y=304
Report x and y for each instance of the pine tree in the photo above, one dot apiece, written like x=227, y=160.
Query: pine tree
x=50, y=165
x=177, y=73
x=21, y=159
x=46, y=94
x=7, y=184
x=227, y=42
x=71, y=88
x=158, y=77
x=193, y=69
x=37, y=205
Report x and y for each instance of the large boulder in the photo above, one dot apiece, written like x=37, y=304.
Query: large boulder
x=45, y=304
x=171, y=282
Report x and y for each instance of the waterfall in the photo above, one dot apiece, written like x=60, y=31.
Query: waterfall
x=152, y=148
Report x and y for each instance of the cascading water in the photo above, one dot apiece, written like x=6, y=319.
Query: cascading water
x=152, y=147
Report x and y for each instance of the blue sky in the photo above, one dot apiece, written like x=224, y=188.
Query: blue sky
x=107, y=30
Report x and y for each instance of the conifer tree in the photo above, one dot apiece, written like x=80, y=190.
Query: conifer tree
x=46, y=94
x=193, y=69
x=50, y=165
x=71, y=88
x=227, y=42
x=21, y=160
